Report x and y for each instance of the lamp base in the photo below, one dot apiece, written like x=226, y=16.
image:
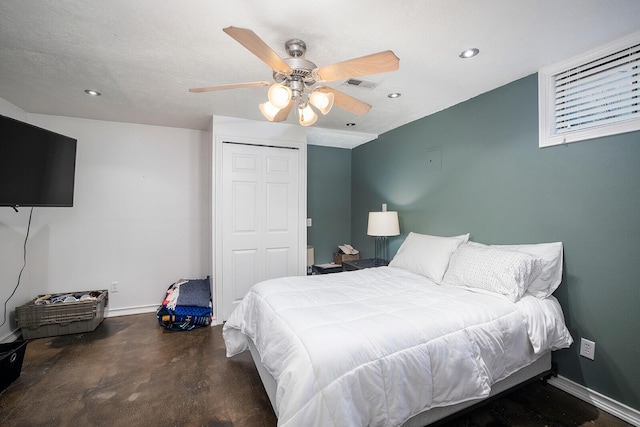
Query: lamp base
x=382, y=250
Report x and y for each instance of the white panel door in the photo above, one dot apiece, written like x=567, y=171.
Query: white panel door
x=260, y=232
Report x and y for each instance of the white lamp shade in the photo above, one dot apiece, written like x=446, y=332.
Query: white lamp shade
x=322, y=101
x=279, y=95
x=307, y=116
x=383, y=224
x=269, y=111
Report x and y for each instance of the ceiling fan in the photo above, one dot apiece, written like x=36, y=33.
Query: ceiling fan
x=296, y=79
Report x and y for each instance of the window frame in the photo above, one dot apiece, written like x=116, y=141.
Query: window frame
x=547, y=91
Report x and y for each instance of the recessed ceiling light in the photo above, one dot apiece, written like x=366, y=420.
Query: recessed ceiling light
x=92, y=92
x=351, y=124
x=394, y=95
x=469, y=53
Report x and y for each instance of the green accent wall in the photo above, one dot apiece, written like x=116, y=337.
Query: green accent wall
x=328, y=200
x=498, y=185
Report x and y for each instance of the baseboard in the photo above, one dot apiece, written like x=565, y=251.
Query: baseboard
x=126, y=311
x=615, y=408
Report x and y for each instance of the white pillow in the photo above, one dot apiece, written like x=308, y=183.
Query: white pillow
x=551, y=276
x=505, y=272
x=427, y=255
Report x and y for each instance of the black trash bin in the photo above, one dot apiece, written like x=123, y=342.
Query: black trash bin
x=11, y=357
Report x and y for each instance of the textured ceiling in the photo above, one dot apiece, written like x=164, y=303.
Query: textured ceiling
x=144, y=55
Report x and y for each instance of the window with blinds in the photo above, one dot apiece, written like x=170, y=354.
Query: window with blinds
x=592, y=96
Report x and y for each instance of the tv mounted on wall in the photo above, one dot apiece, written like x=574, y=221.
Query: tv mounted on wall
x=37, y=166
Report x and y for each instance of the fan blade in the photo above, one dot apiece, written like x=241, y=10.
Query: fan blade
x=259, y=48
x=347, y=102
x=284, y=113
x=380, y=62
x=231, y=86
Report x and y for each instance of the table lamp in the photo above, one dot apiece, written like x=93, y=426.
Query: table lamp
x=381, y=225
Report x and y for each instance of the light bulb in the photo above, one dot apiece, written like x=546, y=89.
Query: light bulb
x=307, y=116
x=279, y=95
x=469, y=53
x=269, y=111
x=322, y=101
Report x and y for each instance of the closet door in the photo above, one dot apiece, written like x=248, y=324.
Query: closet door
x=260, y=224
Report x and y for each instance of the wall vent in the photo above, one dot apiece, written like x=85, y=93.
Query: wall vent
x=360, y=83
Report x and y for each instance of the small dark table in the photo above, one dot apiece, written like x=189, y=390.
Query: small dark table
x=363, y=263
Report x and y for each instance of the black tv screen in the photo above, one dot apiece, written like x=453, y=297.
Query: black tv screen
x=37, y=166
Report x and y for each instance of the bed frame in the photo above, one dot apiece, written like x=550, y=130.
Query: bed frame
x=541, y=368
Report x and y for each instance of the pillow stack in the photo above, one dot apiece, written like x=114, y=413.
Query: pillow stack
x=508, y=273
x=551, y=276
x=509, y=270
x=427, y=255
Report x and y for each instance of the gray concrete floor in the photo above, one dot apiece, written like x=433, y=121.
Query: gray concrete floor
x=132, y=372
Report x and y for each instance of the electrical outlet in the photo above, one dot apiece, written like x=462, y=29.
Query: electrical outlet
x=587, y=348
x=114, y=287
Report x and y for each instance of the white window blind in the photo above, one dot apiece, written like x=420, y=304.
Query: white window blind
x=596, y=95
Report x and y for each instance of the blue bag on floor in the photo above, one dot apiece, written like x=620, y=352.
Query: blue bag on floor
x=187, y=305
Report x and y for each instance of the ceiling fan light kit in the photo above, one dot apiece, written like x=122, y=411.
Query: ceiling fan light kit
x=279, y=95
x=296, y=78
x=307, y=116
x=322, y=101
x=269, y=111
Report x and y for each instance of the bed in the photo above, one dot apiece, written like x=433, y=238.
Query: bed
x=406, y=344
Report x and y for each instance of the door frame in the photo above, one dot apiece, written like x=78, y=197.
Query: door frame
x=216, y=209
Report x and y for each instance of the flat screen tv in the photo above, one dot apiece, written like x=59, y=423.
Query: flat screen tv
x=37, y=166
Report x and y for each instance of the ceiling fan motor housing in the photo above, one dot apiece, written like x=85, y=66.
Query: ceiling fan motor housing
x=301, y=70
x=295, y=48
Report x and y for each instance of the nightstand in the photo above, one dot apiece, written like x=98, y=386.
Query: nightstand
x=363, y=263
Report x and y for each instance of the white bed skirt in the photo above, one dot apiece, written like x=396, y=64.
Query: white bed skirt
x=534, y=370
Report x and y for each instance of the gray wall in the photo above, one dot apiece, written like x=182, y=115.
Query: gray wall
x=498, y=185
x=328, y=200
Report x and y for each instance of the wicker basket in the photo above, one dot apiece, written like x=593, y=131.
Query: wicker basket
x=38, y=321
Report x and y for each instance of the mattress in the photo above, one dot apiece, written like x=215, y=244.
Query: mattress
x=378, y=346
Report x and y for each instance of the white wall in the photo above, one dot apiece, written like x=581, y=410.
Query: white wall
x=141, y=217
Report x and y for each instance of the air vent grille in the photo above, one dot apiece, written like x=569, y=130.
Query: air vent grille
x=360, y=83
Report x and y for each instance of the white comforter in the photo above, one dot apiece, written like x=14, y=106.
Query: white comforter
x=377, y=346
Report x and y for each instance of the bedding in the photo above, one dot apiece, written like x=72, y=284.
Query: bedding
x=505, y=272
x=550, y=255
x=551, y=276
x=426, y=254
x=377, y=346
x=187, y=305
